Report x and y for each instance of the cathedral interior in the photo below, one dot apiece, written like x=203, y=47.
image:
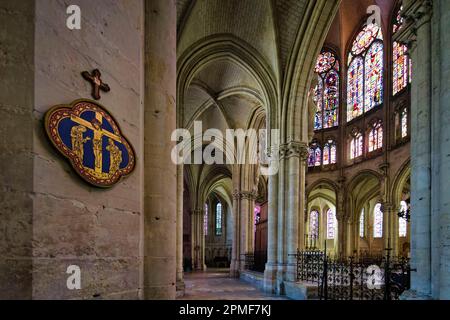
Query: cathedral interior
x=107, y=122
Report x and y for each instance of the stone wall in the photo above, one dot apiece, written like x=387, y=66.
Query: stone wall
x=16, y=147
x=53, y=219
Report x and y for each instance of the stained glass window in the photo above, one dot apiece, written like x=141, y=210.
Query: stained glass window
x=377, y=221
x=205, y=220
x=331, y=224
x=315, y=155
x=376, y=137
x=356, y=145
x=333, y=152
x=362, y=222
x=326, y=154
x=314, y=224
x=319, y=103
x=373, y=92
x=219, y=219
x=355, y=89
x=401, y=73
x=318, y=157
x=327, y=91
x=402, y=223
x=400, y=68
x=365, y=72
x=329, y=152
x=404, y=123
x=257, y=214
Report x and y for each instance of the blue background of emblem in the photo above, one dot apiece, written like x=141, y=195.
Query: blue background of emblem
x=64, y=128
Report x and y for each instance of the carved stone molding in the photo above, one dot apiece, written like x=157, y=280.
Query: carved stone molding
x=245, y=195
x=384, y=167
x=387, y=207
x=197, y=212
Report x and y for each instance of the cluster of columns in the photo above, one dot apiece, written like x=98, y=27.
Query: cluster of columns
x=198, y=239
x=243, y=229
x=425, y=33
x=286, y=203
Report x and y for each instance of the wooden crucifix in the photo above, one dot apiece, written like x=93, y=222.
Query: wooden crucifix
x=97, y=83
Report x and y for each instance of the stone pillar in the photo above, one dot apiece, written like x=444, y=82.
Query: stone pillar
x=159, y=171
x=247, y=205
x=281, y=221
x=180, y=198
x=416, y=33
x=292, y=153
x=443, y=115
x=235, y=249
x=272, y=239
x=303, y=166
x=387, y=237
x=198, y=241
x=391, y=225
x=342, y=219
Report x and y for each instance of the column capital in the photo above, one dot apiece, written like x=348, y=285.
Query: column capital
x=387, y=207
x=416, y=13
x=197, y=211
x=294, y=149
x=246, y=195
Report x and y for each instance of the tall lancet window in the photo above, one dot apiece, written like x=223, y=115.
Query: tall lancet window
x=205, y=220
x=327, y=91
x=402, y=223
x=377, y=221
x=314, y=224
x=404, y=123
x=376, y=136
x=365, y=72
x=362, y=224
x=219, y=219
x=329, y=152
x=331, y=224
x=356, y=144
x=401, y=66
x=315, y=155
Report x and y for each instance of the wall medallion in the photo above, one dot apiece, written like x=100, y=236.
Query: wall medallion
x=89, y=137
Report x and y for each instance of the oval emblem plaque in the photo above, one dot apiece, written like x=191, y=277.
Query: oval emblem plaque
x=86, y=134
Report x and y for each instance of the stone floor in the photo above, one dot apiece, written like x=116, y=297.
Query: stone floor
x=216, y=284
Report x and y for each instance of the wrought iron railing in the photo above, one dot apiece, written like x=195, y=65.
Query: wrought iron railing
x=354, y=278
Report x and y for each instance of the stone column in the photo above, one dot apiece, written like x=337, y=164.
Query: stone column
x=443, y=172
x=247, y=205
x=388, y=239
x=291, y=155
x=198, y=243
x=342, y=218
x=159, y=172
x=281, y=220
x=235, y=249
x=391, y=241
x=416, y=33
x=180, y=198
x=302, y=198
x=272, y=239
